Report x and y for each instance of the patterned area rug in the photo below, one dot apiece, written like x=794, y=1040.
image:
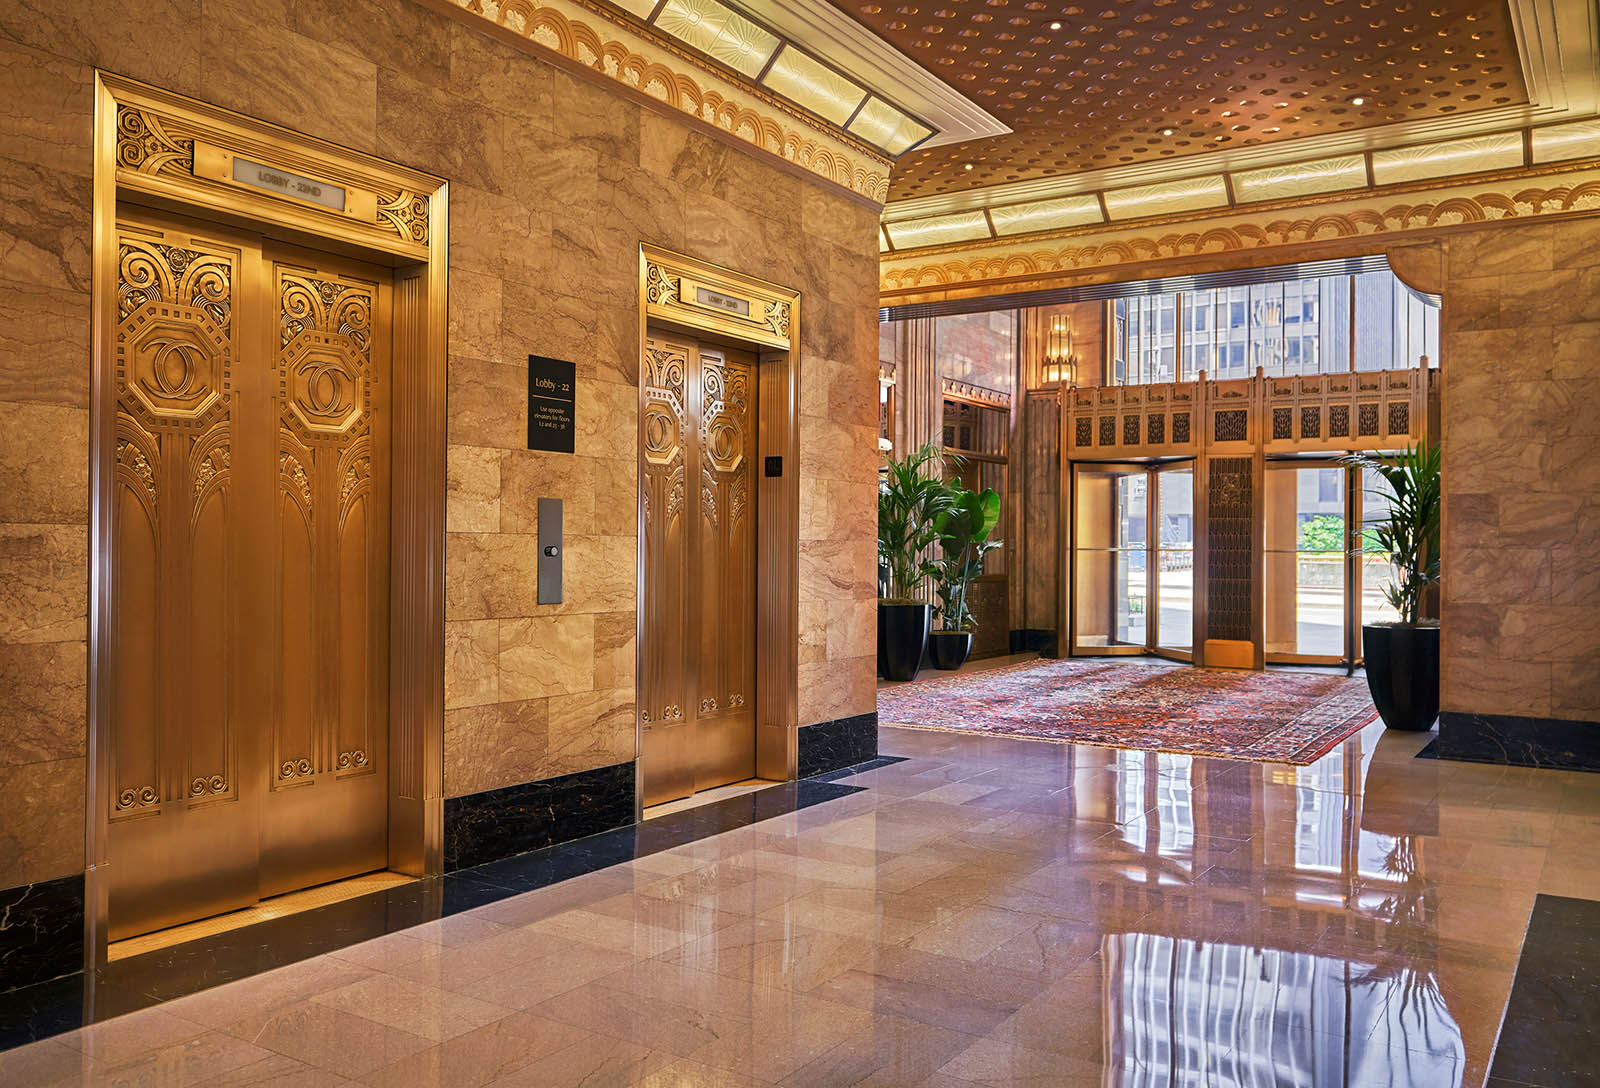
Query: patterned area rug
x=1281, y=717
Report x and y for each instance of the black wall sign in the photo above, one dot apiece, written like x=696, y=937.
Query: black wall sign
x=552, y=393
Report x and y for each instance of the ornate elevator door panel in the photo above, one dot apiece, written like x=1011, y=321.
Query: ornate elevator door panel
x=696, y=687
x=326, y=809
x=184, y=806
x=250, y=594
x=724, y=573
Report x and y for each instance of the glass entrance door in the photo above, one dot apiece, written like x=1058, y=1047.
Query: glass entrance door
x=1133, y=560
x=1172, y=537
x=1306, y=616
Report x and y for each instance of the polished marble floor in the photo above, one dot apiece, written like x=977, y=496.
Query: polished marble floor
x=984, y=912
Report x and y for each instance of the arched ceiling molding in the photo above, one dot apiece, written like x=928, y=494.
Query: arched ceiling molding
x=1371, y=223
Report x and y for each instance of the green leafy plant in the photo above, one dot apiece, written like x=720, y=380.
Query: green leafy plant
x=964, y=529
x=911, y=498
x=1409, y=536
x=1323, y=533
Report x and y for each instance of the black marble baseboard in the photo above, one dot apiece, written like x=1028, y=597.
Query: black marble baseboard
x=1555, y=743
x=495, y=824
x=1033, y=640
x=843, y=742
x=1548, y=1035
x=41, y=931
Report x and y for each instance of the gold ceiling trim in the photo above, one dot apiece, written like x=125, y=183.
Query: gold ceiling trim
x=621, y=52
x=1373, y=216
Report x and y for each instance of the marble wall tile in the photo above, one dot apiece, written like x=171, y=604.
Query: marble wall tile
x=1576, y=347
x=44, y=90
x=547, y=655
x=498, y=77
x=1500, y=575
x=43, y=583
x=421, y=122
x=1497, y=685
x=41, y=820
x=494, y=745
x=472, y=490
x=471, y=663
x=526, y=476
x=838, y=688
x=42, y=484
x=44, y=227
x=1560, y=633
x=602, y=574
x=1524, y=248
x=475, y=307
x=497, y=235
x=602, y=341
x=852, y=629
x=261, y=68
x=590, y=729
x=488, y=403
x=489, y=575
x=41, y=714
x=406, y=37
x=608, y=420
x=683, y=156
x=615, y=650
x=44, y=346
x=1575, y=690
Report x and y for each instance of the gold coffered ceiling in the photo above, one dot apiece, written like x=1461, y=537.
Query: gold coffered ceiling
x=1104, y=89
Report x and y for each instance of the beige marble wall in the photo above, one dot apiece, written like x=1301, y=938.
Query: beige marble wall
x=554, y=182
x=1521, y=359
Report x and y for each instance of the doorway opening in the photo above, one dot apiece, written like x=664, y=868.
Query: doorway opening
x=1133, y=560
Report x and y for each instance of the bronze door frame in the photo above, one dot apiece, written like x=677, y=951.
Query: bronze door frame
x=706, y=302
x=170, y=153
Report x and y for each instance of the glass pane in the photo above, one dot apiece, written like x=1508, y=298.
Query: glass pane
x=1305, y=547
x=1109, y=598
x=1175, y=558
x=1377, y=571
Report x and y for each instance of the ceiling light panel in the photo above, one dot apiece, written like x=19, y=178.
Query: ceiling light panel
x=889, y=128
x=719, y=32
x=1072, y=211
x=1499, y=152
x=960, y=227
x=1301, y=178
x=1575, y=141
x=815, y=86
x=1188, y=195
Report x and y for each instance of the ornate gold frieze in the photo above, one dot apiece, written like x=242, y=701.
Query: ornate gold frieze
x=1086, y=249
x=625, y=54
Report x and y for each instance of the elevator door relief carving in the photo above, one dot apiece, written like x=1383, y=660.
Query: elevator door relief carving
x=324, y=393
x=699, y=584
x=174, y=361
x=250, y=576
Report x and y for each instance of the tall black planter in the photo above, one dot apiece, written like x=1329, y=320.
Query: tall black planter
x=950, y=649
x=1403, y=674
x=902, y=636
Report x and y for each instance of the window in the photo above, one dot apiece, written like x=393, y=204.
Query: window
x=1288, y=327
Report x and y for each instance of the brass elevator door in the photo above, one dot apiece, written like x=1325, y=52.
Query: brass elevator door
x=250, y=539
x=697, y=681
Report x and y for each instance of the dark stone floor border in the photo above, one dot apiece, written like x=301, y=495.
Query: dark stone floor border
x=1551, y=743
x=1548, y=1037
x=62, y=1004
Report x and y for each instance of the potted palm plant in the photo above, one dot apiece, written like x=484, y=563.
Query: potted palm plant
x=910, y=499
x=964, y=530
x=1402, y=657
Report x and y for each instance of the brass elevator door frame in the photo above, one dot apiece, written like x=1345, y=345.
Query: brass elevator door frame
x=250, y=536
x=697, y=688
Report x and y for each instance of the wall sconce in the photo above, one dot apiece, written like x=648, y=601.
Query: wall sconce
x=1060, y=364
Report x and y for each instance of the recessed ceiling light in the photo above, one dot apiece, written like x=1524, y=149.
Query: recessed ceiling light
x=1166, y=132
x=1358, y=101
x=966, y=166
x=1055, y=26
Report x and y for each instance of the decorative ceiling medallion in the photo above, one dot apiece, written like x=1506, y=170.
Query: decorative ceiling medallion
x=987, y=264
x=625, y=54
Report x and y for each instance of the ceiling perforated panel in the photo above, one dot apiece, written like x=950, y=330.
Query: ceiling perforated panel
x=1102, y=90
